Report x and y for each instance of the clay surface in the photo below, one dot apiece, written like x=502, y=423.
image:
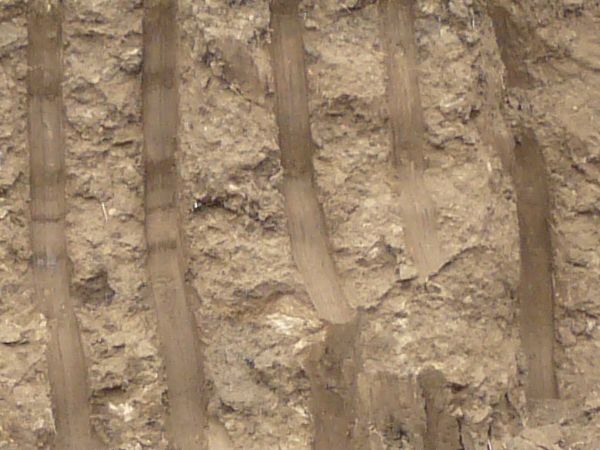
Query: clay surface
x=486, y=72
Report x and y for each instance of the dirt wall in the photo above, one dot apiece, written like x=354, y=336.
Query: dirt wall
x=253, y=310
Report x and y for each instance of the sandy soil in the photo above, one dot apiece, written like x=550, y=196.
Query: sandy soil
x=435, y=361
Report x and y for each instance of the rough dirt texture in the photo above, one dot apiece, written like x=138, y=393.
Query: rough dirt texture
x=451, y=343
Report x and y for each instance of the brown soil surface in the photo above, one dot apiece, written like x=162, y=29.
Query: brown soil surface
x=435, y=363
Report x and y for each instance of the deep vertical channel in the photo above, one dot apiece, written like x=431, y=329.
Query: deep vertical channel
x=525, y=162
x=408, y=133
x=67, y=372
x=180, y=345
x=333, y=365
x=536, y=293
x=442, y=431
x=306, y=222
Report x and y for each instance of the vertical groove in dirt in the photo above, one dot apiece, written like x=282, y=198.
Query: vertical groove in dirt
x=535, y=292
x=512, y=43
x=66, y=363
x=407, y=124
x=391, y=411
x=179, y=340
x=443, y=431
x=332, y=368
x=306, y=223
x=527, y=168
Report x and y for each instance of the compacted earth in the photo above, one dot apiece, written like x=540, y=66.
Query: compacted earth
x=510, y=94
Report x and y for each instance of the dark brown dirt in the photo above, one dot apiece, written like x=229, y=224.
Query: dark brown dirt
x=443, y=431
x=530, y=174
x=332, y=367
x=67, y=373
x=536, y=293
x=408, y=131
x=392, y=412
x=177, y=328
x=308, y=235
